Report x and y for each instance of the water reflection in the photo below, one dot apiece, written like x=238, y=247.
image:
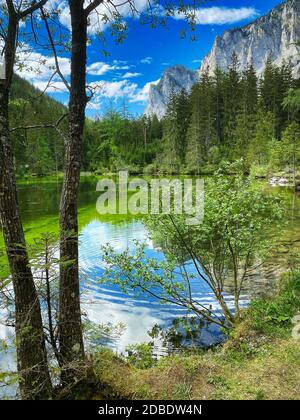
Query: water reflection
x=107, y=304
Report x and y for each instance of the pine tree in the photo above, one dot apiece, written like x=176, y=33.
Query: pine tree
x=291, y=146
x=219, y=77
x=275, y=85
x=175, y=130
x=202, y=133
x=232, y=100
x=247, y=116
x=182, y=122
x=259, y=148
x=194, y=153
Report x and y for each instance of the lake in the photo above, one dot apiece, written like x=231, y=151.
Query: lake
x=107, y=304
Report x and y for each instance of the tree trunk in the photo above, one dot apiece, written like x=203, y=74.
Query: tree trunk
x=31, y=354
x=35, y=382
x=70, y=328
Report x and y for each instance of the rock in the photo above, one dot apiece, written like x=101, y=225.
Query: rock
x=273, y=35
x=279, y=182
x=283, y=182
x=174, y=80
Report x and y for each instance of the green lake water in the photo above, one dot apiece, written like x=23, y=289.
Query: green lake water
x=106, y=304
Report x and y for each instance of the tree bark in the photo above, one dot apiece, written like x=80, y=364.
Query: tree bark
x=70, y=327
x=34, y=380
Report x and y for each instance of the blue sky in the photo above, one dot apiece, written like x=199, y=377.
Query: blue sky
x=125, y=74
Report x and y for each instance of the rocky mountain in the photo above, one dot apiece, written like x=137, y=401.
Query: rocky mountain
x=173, y=80
x=273, y=35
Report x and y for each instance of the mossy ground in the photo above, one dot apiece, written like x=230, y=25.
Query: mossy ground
x=270, y=372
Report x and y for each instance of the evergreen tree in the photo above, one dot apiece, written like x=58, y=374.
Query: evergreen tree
x=176, y=125
x=246, y=118
x=274, y=87
x=221, y=117
x=202, y=133
x=219, y=103
x=232, y=100
x=259, y=148
x=182, y=122
x=290, y=147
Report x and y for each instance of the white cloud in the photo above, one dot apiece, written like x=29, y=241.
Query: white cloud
x=146, y=60
x=117, y=90
x=120, y=62
x=93, y=106
x=100, y=68
x=38, y=68
x=130, y=75
x=142, y=94
x=112, y=90
x=221, y=15
x=104, y=90
x=64, y=15
x=99, y=19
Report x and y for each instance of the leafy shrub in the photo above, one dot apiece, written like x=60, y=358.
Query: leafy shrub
x=259, y=171
x=141, y=355
x=271, y=315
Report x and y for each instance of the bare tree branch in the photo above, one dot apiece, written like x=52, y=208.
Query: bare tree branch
x=45, y=126
x=54, y=50
x=33, y=8
x=92, y=6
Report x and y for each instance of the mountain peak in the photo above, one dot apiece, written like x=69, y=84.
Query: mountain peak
x=271, y=36
x=174, y=80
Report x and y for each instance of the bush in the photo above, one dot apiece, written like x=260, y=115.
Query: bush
x=151, y=169
x=274, y=315
x=258, y=171
x=141, y=355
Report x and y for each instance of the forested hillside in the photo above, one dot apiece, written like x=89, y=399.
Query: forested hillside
x=228, y=116
x=115, y=142
x=36, y=151
x=234, y=115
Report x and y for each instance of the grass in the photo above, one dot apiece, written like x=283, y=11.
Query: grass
x=260, y=361
x=272, y=373
x=53, y=178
